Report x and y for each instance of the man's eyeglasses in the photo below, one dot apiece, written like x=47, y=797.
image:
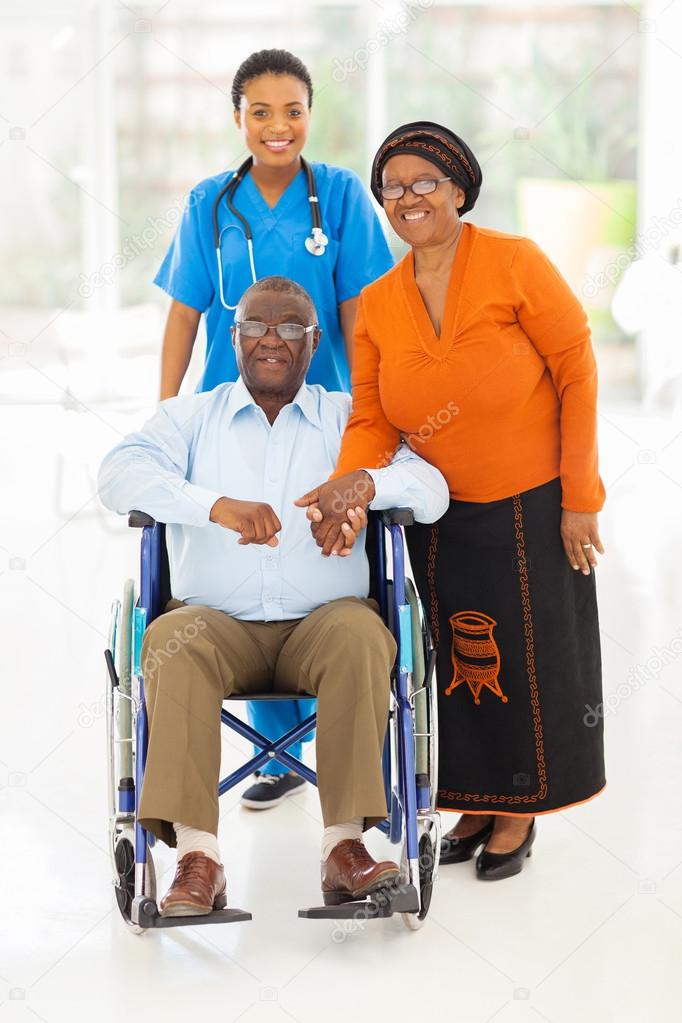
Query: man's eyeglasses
x=422, y=187
x=285, y=331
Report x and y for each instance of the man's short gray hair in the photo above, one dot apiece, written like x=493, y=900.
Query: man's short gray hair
x=281, y=284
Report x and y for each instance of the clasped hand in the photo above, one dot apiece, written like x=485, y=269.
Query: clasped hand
x=331, y=506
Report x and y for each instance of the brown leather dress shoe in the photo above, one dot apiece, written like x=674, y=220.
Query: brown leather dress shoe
x=198, y=887
x=350, y=873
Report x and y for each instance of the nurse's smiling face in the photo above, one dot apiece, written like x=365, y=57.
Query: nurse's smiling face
x=274, y=118
x=269, y=365
x=421, y=220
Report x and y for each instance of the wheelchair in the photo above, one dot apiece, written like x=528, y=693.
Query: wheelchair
x=410, y=754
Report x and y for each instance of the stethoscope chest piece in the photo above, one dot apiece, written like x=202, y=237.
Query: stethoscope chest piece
x=317, y=242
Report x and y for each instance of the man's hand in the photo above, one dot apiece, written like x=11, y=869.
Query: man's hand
x=580, y=537
x=334, y=500
x=255, y=521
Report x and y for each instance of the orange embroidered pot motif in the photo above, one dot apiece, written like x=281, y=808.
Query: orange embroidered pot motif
x=475, y=654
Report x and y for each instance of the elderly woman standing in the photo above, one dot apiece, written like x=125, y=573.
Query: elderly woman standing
x=474, y=349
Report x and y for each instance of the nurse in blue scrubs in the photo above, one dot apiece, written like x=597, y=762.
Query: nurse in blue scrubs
x=272, y=97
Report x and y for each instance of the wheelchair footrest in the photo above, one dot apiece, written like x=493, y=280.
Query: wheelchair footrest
x=382, y=903
x=149, y=916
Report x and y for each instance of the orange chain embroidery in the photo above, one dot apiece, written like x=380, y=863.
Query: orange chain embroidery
x=431, y=576
x=474, y=797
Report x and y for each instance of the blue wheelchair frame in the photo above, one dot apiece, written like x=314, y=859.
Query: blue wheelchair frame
x=406, y=799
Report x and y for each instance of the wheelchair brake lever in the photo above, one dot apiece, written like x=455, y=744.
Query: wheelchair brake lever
x=108, y=657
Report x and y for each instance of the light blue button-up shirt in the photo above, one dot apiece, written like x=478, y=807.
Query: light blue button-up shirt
x=198, y=448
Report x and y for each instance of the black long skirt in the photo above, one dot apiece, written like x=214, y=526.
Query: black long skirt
x=519, y=663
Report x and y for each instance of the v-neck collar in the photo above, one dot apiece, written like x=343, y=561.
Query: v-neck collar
x=291, y=195
x=438, y=347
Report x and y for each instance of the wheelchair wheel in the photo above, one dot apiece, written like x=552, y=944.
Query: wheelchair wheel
x=427, y=874
x=124, y=859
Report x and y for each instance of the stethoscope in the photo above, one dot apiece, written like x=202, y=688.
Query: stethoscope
x=315, y=243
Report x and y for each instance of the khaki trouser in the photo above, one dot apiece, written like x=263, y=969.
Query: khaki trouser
x=193, y=657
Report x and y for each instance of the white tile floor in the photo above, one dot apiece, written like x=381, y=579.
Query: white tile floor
x=591, y=930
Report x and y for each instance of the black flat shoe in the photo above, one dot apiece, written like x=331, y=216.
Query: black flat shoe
x=496, y=866
x=459, y=850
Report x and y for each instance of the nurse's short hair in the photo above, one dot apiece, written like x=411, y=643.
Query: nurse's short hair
x=270, y=62
x=281, y=284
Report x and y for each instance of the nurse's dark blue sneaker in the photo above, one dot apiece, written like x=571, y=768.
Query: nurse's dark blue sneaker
x=270, y=790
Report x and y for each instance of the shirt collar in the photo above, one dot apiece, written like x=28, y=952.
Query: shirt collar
x=306, y=400
x=240, y=398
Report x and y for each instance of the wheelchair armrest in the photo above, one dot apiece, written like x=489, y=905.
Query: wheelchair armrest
x=138, y=519
x=390, y=517
x=397, y=517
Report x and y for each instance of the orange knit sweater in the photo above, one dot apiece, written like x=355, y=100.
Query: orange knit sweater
x=504, y=400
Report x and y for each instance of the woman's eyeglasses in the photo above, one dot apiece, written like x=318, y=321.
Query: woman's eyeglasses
x=422, y=187
x=285, y=331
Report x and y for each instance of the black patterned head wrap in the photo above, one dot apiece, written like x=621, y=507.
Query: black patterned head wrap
x=439, y=146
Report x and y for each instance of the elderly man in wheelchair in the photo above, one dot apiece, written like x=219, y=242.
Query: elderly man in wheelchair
x=255, y=607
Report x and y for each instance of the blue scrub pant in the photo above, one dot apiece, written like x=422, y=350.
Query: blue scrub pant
x=272, y=718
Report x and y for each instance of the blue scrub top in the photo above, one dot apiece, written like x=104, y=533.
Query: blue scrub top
x=356, y=255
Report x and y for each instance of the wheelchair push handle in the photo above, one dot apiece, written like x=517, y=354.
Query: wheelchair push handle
x=139, y=519
x=397, y=517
